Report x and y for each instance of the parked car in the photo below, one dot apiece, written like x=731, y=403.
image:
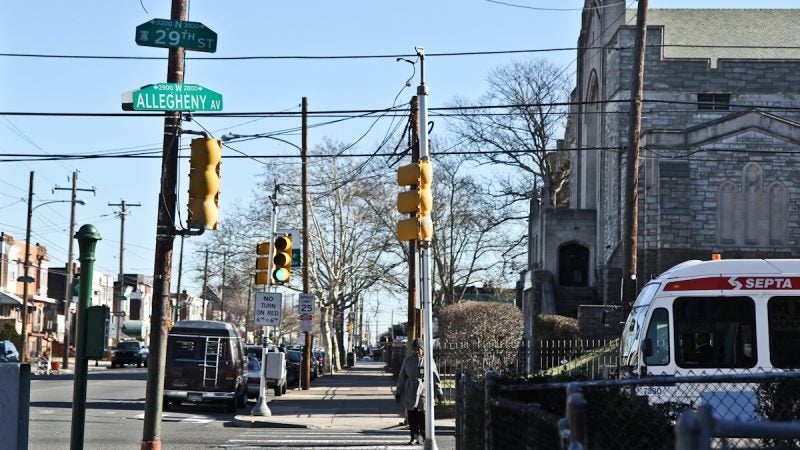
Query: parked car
x=8, y=352
x=253, y=376
x=376, y=352
x=293, y=360
x=206, y=362
x=129, y=352
x=278, y=386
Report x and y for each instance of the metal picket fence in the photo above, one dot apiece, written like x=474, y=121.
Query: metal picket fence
x=742, y=411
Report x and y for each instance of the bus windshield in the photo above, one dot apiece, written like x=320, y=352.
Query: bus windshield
x=631, y=335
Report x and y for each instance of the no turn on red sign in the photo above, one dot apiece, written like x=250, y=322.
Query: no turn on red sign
x=268, y=309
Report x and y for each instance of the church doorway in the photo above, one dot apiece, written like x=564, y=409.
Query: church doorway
x=573, y=265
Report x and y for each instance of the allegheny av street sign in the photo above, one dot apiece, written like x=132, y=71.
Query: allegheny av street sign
x=172, y=97
x=176, y=33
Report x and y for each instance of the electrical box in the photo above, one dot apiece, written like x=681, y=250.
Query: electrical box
x=97, y=323
x=276, y=366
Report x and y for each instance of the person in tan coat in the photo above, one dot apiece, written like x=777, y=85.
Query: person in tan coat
x=410, y=390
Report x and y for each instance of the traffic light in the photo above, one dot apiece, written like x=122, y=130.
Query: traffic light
x=262, y=262
x=419, y=201
x=204, y=181
x=282, y=261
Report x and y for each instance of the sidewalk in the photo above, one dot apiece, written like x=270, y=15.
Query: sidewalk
x=356, y=398
x=101, y=365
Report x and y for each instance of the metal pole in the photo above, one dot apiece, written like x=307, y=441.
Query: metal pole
x=425, y=266
x=162, y=261
x=205, y=285
x=631, y=231
x=261, y=408
x=87, y=238
x=222, y=289
x=26, y=276
x=178, y=288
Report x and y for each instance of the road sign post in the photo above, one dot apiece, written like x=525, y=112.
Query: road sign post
x=172, y=97
x=167, y=33
x=268, y=309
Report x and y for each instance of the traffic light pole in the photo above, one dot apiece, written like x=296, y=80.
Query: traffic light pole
x=261, y=408
x=425, y=265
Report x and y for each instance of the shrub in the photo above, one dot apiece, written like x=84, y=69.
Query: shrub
x=548, y=327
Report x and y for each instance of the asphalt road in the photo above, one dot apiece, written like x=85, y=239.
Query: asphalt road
x=115, y=415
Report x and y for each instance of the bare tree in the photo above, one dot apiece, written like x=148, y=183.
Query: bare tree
x=522, y=137
x=472, y=242
x=347, y=240
x=348, y=245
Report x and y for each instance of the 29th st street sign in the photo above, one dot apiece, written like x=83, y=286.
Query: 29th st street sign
x=176, y=33
x=172, y=97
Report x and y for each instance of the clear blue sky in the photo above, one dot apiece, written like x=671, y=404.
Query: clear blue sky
x=245, y=28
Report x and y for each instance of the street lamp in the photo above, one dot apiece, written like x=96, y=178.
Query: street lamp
x=26, y=278
x=232, y=136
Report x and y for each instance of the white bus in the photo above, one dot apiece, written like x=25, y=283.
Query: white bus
x=718, y=316
x=715, y=317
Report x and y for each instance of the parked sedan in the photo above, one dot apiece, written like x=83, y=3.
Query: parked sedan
x=253, y=377
x=129, y=352
x=293, y=360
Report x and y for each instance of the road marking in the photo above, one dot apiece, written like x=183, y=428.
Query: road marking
x=181, y=419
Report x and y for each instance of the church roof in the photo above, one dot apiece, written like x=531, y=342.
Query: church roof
x=765, y=28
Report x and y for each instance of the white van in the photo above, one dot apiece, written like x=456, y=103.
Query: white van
x=718, y=316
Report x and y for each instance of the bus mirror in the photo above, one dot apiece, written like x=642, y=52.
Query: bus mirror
x=647, y=347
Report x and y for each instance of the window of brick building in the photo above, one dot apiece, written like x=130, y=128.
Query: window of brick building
x=713, y=102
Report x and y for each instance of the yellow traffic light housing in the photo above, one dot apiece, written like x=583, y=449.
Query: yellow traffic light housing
x=282, y=261
x=263, y=254
x=418, y=201
x=204, y=181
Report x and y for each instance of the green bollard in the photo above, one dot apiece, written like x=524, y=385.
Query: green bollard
x=87, y=238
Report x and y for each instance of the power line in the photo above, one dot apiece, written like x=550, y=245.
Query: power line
x=393, y=56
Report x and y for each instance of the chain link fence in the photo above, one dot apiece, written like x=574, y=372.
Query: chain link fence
x=743, y=411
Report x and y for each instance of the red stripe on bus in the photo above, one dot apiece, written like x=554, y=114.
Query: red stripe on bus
x=747, y=283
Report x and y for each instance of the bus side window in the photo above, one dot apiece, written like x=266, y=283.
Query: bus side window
x=658, y=334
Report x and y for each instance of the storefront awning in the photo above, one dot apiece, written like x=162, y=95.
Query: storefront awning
x=7, y=298
x=42, y=298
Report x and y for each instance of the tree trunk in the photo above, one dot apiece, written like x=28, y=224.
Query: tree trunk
x=329, y=341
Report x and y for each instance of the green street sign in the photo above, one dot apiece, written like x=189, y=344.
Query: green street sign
x=172, y=97
x=26, y=279
x=297, y=258
x=176, y=33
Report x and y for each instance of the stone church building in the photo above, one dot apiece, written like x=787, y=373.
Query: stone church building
x=719, y=163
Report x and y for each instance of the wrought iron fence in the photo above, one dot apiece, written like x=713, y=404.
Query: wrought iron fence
x=589, y=358
x=639, y=413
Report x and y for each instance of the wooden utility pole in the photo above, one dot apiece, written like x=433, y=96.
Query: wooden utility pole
x=162, y=264
x=631, y=230
x=413, y=318
x=25, y=357
x=118, y=298
x=305, y=379
x=68, y=274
